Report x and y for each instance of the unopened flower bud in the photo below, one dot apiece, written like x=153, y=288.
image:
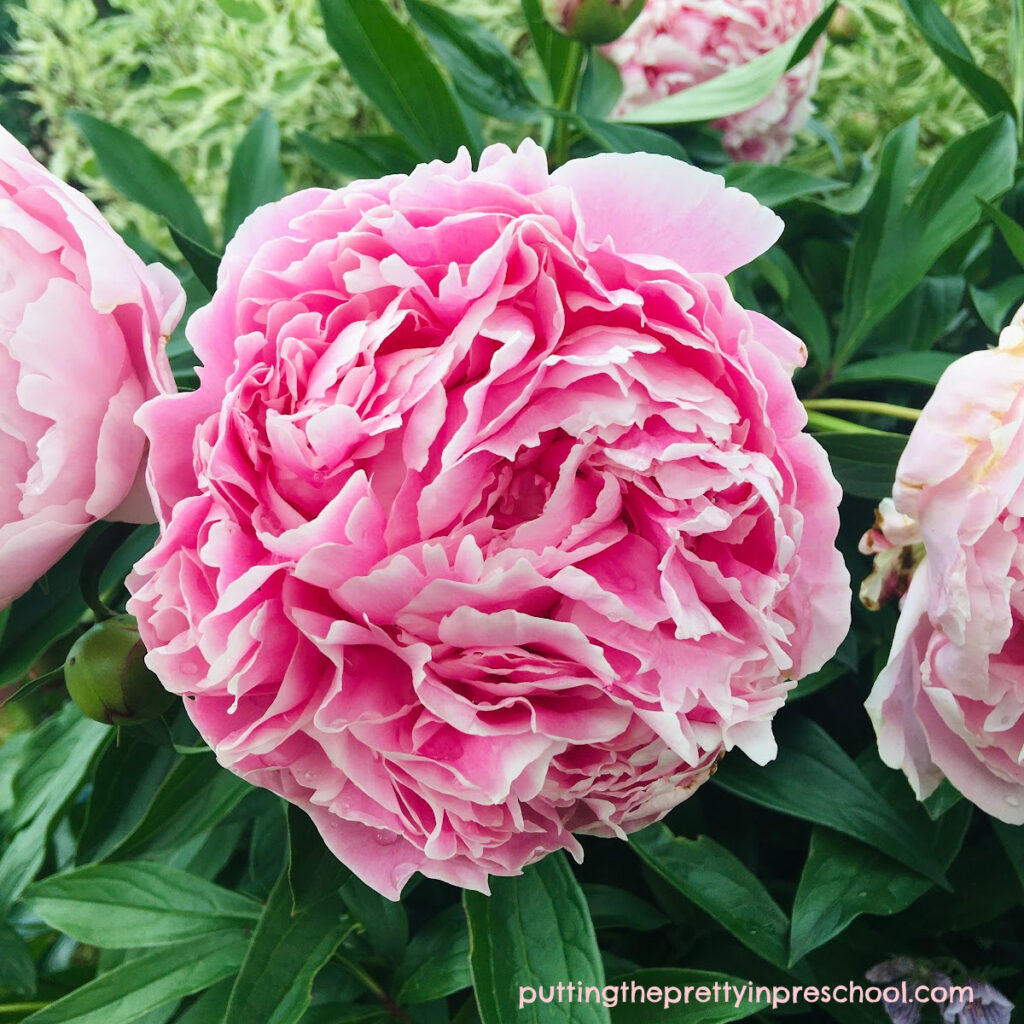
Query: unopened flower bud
x=108, y=679
x=592, y=21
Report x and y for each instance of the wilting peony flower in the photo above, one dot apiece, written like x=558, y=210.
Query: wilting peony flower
x=82, y=329
x=492, y=520
x=950, y=702
x=675, y=44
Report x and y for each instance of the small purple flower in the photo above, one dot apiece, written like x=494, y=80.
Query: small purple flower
x=893, y=972
x=989, y=1006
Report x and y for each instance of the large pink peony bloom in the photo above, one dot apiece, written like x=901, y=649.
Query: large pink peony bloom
x=950, y=702
x=492, y=520
x=675, y=44
x=82, y=329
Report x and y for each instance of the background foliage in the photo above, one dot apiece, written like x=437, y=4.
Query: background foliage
x=140, y=882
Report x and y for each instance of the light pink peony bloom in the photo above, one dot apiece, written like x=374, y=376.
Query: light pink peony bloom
x=950, y=702
x=82, y=329
x=675, y=44
x=492, y=520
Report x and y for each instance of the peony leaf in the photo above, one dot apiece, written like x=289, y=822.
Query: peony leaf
x=141, y=175
x=734, y=1003
x=370, y=156
x=436, y=962
x=734, y=90
x=615, y=137
x=196, y=795
x=386, y=61
x=146, y=983
x=719, y=883
x=533, y=930
x=123, y=906
x=256, y=175
x=805, y=314
x=864, y=462
x=1012, y=232
x=288, y=949
x=812, y=778
x=484, y=72
x=611, y=907
x=842, y=879
x=127, y=778
x=915, y=367
x=775, y=186
x=941, y=35
x=898, y=243
x=17, y=969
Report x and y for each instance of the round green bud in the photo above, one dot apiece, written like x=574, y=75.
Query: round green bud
x=595, y=22
x=107, y=678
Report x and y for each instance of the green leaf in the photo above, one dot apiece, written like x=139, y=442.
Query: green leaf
x=210, y=1007
x=864, y=463
x=17, y=969
x=994, y=305
x=142, y=176
x=196, y=795
x=243, y=10
x=386, y=61
x=125, y=782
x=368, y=156
x=287, y=952
x=614, y=137
x=436, y=963
x=813, y=779
x=1011, y=838
x=146, y=983
x=775, y=185
x=799, y=303
x=914, y=367
x=484, y=72
x=816, y=681
x=611, y=907
x=256, y=175
x=314, y=873
x=898, y=244
x=1012, y=232
x=734, y=90
x=533, y=930
x=122, y=906
x=557, y=53
x=689, y=995
x=384, y=921
x=56, y=759
x=600, y=86
x=718, y=882
x=203, y=262
x=945, y=42
x=843, y=878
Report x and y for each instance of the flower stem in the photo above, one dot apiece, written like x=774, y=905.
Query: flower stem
x=357, y=972
x=900, y=412
x=565, y=99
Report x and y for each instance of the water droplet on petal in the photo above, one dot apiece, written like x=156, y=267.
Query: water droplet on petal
x=190, y=668
x=1013, y=801
x=385, y=838
x=318, y=478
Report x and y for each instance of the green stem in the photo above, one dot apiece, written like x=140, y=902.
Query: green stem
x=6, y=1008
x=357, y=972
x=900, y=412
x=565, y=99
x=822, y=424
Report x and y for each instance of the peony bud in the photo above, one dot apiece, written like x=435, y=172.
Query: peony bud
x=592, y=21
x=107, y=678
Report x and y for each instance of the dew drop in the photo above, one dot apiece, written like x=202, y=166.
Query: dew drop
x=318, y=478
x=1013, y=801
x=190, y=668
x=385, y=838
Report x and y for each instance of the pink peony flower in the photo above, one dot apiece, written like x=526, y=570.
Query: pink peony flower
x=675, y=44
x=492, y=520
x=82, y=329
x=950, y=701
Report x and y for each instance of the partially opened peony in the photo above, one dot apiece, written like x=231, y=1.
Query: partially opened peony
x=83, y=324
x=492, y=520
x=675, y=44
x=950, y=702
